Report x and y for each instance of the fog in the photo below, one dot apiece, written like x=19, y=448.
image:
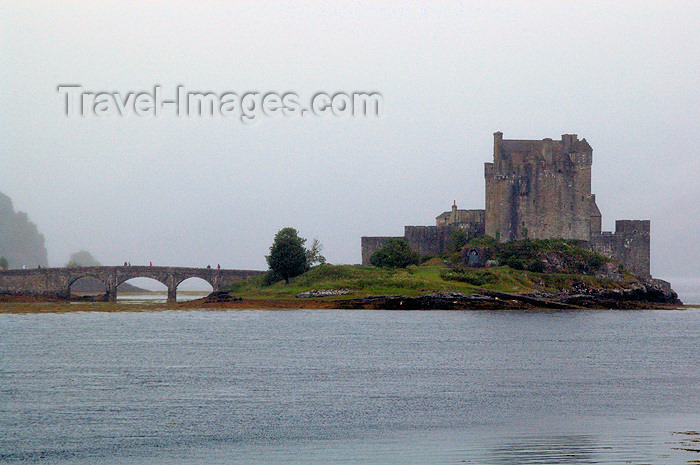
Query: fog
x=193, y=191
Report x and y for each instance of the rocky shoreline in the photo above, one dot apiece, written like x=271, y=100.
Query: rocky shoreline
x=652, y=294
x=655, y=294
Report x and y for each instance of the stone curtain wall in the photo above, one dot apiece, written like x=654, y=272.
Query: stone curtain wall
x=630, y=245
x=425, y=240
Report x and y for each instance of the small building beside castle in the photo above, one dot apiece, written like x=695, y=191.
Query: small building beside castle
x=536, y=189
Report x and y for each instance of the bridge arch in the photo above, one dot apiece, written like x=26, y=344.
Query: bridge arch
x=193, y=287
x=129, y=278
x=77, y=277
x=182, y=279
x=140, y=289
x=89, y=284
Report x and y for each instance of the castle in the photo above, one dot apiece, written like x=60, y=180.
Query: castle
x=536, y=189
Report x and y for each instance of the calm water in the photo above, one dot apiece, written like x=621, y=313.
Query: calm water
x=688, y=290
x=321, y=387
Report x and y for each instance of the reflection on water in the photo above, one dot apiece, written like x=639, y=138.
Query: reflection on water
x=574, y=449
x=158, y=296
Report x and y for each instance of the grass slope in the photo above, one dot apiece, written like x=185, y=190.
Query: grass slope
x=413, y=281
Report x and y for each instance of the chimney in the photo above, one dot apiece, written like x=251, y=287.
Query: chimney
x=568, y=141
x=497, y=145
x=547, y=149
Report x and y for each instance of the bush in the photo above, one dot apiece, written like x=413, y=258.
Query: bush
x=484, y=242
x=457, y=240
x=475, y=278
x=567, y=256
x=270, y=278
x=396, y=253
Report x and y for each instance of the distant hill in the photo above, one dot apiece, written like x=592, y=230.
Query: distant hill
x=20, y=241
x=89, y=285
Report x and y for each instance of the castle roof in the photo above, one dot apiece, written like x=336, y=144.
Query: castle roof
x=524, y=149
x=531, y=146
x=447, y=214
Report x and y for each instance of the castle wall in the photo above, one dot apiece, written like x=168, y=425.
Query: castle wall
x=633, y=245
x=371, y=244
x=630, y=245
x=473, y=229
x=427, y=240
x=596, y=217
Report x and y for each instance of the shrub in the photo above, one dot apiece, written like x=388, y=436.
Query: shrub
x=475, y=278
x=457, y=240
x=396, y=253
x=270, y=278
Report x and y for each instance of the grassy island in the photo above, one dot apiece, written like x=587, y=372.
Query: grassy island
x=415, y=280
x=523, y=274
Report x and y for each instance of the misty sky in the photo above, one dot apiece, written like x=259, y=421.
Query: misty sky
x=197, y=191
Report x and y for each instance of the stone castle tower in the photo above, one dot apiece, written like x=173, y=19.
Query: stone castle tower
x=540, y=189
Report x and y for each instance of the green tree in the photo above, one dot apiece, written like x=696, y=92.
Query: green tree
x=82, y=258
x=288, y=257
x=313, y=254
x=396, y=253
x=3, y=263
x=458, y=239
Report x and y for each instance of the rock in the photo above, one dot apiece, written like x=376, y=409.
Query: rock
x=640, y=294
x=437, y=301
x=221, y=296
x=323, y=293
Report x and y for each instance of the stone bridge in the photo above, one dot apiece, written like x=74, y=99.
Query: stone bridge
x=56, y=282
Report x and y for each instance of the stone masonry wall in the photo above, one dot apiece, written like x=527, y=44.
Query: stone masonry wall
x=427, y=240
x=539, y=189
x=630, y=245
